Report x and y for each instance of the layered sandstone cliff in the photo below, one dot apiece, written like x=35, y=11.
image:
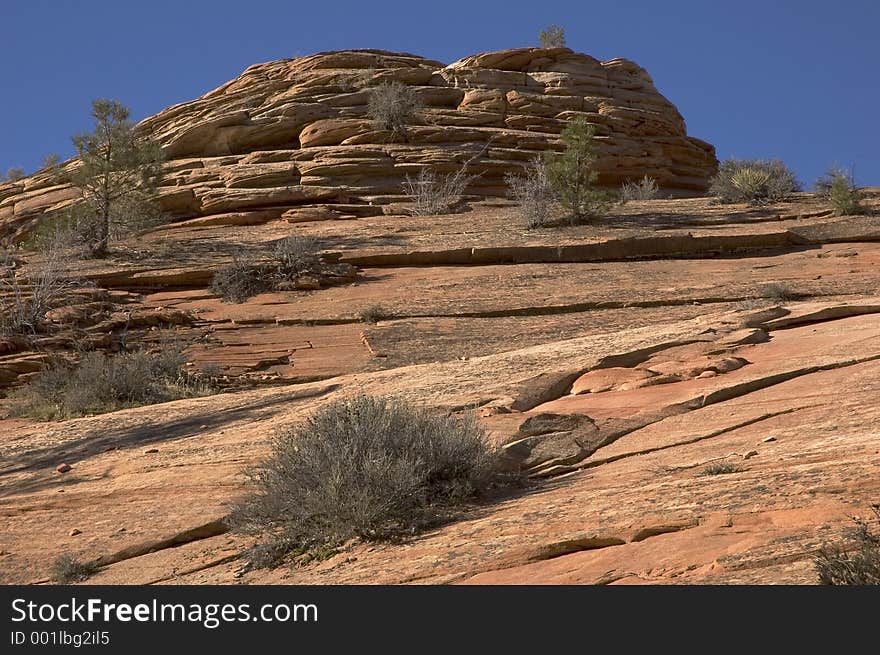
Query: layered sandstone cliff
x=292, y=138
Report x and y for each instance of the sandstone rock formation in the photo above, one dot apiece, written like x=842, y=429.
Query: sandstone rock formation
x=292, y=138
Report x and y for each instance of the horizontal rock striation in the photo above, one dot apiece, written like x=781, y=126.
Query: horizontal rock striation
x=292, y=140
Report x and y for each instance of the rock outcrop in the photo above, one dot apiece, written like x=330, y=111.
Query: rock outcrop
x=291, y=139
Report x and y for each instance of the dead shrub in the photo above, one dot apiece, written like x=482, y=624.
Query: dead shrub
x=532, y=191
x=244, y=278
x=26, y=298
x=374, y=313
x=433, y=194
x=856, y=563
x=778, y=291
x=66, y=569
x=392, y=106
x=14, y=174
x=644, y=189
x=239, y=281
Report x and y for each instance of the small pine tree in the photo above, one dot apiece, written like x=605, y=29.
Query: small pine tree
x=839, y=187
x=552, y=37
x=118, y=173
x=572, y=173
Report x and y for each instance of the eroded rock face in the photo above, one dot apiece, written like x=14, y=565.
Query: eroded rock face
x=294, y=133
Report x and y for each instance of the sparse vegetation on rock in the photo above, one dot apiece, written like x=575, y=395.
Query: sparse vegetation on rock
x=374, y=313
x=777, y=291
x=14, y=174
x=393, y=106
x=721, y=468
x=552, y=37
x=294, y=263
x=572, y=174
x=238, y=281
x=117, y=177
x=532, y=191
x=853, y=563
x=839, y=187
x=67, y=569
x=644, y=189
x=51, y=161
x=756, y=182
x=370, y=468
x=101, y=383
x=432, y=194
x=25, y=299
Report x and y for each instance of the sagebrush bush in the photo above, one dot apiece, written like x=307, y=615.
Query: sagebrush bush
x=393, y=106
x=368, y=467
x=238, y=281
x=756, y=182
x=858, y=564
x=839, y=187
x=532, y=192
x=777, y=291
x=297, y=253
x=66, y=569
x=290, y=257
x=722, y=468
x=101, y=383
x=374, y=313
x=644, y=189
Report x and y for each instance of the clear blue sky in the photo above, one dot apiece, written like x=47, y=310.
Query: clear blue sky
x=796, y=80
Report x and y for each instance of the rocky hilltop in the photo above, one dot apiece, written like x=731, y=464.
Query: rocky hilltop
x=292, y=138
x=691, y=389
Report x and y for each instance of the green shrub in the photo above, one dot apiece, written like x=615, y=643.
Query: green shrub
x=552, y=37
x=858, y=565
x=839, y=188
x=368, y=467
x=572, y=173
x=101, y=383
x=66, y=569
x=756, y=182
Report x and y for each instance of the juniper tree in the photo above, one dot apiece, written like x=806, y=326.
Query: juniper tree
x=572, y=173
x=552, y=37
x=118, y=175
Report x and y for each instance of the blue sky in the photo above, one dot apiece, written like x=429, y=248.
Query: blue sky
x=799, y=81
